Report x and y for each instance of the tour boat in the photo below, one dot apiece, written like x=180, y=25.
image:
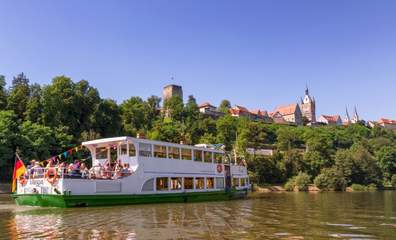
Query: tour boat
x=152, y=172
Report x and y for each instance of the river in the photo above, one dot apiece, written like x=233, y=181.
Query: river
x=359, y=215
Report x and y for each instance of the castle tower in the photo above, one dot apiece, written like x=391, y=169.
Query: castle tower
x=308, y=107
x=170, y=91
x=355, y=118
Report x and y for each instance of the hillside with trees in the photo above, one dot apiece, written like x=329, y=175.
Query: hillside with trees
x=42, y=121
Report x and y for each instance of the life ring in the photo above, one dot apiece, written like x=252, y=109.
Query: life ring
x=22, y=180
x=51, y=175
x=219, y=168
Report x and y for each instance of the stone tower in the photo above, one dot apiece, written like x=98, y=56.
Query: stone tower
x=308, y=107
x=170, y=91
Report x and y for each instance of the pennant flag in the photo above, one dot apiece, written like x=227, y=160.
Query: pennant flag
x=19, y=170
x=70, y=151
x=65, y=154
x=76, y=149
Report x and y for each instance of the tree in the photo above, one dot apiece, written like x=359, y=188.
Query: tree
x=226, y=131
x=151, y=112
x=225, y=106
x=36, y=142
x=387, y=161
x=34, y=107
x=8, y=138
x=132, y=115
x=19, y=95
x=174, y=108
x=106, y=120
x=3, y=93
x=330, y=179
x=288, y=138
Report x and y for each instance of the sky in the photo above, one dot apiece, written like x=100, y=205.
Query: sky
x=258, y=54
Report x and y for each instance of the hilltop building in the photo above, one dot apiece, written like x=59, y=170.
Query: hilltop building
x=209, y=110
x=308, y=107
x=258, y=115
x=347, y=119
x=387, y=123
x=290, y=113
x=332, y=120
x=172, y=90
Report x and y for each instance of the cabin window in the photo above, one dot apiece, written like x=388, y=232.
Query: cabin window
x=148, y=185
x=176, y=183
x=123, y=149
x=145, y=150
x=174, y=152
x=186, y=154
x=132, y=150
x=218, y=157
x=188, y=183
x=101, y=153
x=159, y=151
x=235, y=182
x=209, y=183
x=243, y=183
x=162, y=184
x=198, y=155
x=219, y=183
x=208, y=157
x=199, y=183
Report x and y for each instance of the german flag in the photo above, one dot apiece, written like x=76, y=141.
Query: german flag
x=19, y=170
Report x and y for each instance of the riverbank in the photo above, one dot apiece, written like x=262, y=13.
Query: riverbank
x=313, y=188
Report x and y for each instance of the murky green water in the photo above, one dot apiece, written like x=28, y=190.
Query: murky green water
x=263, y=216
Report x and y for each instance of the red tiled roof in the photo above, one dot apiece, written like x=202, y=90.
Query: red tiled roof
x=331, y=118
x=287, y=110
x=205, y=104
x=259, y=112
x=387, y=121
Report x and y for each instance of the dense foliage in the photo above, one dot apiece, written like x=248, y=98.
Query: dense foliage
x=41, y=121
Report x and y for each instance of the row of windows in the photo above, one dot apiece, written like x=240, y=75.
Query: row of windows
x=240, y=182
x=186, y=183
x=161, y=151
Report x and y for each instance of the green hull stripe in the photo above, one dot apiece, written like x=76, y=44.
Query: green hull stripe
x=48, y=200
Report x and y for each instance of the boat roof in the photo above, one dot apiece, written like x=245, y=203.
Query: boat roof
x=142, y=140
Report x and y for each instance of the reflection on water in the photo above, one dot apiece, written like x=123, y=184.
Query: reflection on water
x=265, y=216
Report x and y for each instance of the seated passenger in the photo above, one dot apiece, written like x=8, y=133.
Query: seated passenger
x=125, y=170
x=38, y=171
x=84, y=170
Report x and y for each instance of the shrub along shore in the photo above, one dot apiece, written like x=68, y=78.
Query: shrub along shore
x=43, y=121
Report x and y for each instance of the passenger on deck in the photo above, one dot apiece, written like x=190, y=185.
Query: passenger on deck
x=37, y=170
x=84, y=170
x=125, y=170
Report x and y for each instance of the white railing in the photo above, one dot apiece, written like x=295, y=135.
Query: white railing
x=96, y=172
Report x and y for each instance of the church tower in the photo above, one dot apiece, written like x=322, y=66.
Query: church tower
x=347, y=119
x=308, y=107
x=355, y=118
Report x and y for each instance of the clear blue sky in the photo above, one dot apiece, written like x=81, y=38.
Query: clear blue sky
x=255, y=53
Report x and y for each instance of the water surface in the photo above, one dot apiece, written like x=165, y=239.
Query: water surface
x=370, y=215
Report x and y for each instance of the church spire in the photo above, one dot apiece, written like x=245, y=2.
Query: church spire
x=306, y=90
x=355, y=118
x=347, y=117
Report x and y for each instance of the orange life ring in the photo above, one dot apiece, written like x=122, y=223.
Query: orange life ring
x=51, y=175
x=22, y=180
x=219, y=168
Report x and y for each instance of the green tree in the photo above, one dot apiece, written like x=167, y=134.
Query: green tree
x=8, y=138
x=132, y=115
x=3, y=93
x=288, y=138
x=19, y=94
x=36, y=141
x=330, y=179
x=225, y=106
x=226, y=131
x=34, y=107
x=387, y=161
x=174, y=108
x=106, y=120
